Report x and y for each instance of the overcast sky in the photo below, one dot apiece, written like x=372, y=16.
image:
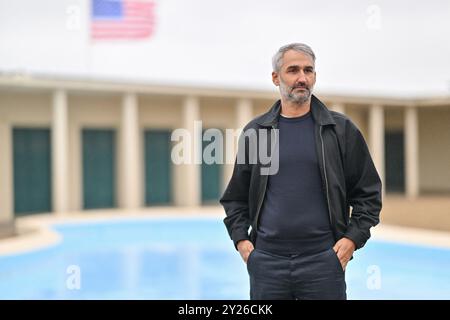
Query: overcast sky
x=396, y=48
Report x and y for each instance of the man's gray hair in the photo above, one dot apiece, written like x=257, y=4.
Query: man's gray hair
x=277, y=59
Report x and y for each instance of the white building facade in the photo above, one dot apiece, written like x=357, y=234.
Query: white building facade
x=69, y=145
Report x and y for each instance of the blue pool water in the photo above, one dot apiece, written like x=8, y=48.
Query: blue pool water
x=194, y=259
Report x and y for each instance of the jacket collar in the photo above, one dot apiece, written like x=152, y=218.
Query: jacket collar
x=320, y=113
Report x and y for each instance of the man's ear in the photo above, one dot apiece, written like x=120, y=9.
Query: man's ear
x=275, y=79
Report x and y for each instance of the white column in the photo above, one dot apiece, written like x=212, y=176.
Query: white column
x=412, y=151
x=6, y=176
x=244, y=113
x=130, y=167
x=338, y=107
x=60, y=150
x=188, y=176
x=376, y=139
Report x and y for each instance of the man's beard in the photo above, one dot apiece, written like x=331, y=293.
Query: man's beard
x=289, y=94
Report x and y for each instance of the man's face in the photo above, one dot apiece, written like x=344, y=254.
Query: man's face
x=296, y=77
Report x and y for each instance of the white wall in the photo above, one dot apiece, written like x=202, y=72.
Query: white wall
x=434, y=149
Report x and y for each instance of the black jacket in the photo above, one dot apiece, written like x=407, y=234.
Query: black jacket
x=349, y=178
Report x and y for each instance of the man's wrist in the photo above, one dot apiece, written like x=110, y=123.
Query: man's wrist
x=352, y=242
x=236, y=243
x=240, y=242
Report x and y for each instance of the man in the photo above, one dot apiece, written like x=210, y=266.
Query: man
x=302, y=235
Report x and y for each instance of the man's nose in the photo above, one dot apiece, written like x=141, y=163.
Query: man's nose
x=301, y=77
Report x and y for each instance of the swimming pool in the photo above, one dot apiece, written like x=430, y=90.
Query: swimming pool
x=193, y=258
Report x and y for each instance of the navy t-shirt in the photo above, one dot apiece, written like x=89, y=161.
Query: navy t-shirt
x=294, y=217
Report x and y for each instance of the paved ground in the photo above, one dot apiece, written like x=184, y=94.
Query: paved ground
x=431, y=212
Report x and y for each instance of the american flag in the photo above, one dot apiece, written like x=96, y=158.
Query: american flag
x=122, y=19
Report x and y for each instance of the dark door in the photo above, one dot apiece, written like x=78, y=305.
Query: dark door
x=394, y=161
x=158, y=174
x=32, y=170
x=211, y=179
x=98, y=168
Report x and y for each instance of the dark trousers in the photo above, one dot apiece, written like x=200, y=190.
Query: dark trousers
x=296, y=277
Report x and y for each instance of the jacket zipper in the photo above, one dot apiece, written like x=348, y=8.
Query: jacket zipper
x=265, y=187
x=326, y=180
